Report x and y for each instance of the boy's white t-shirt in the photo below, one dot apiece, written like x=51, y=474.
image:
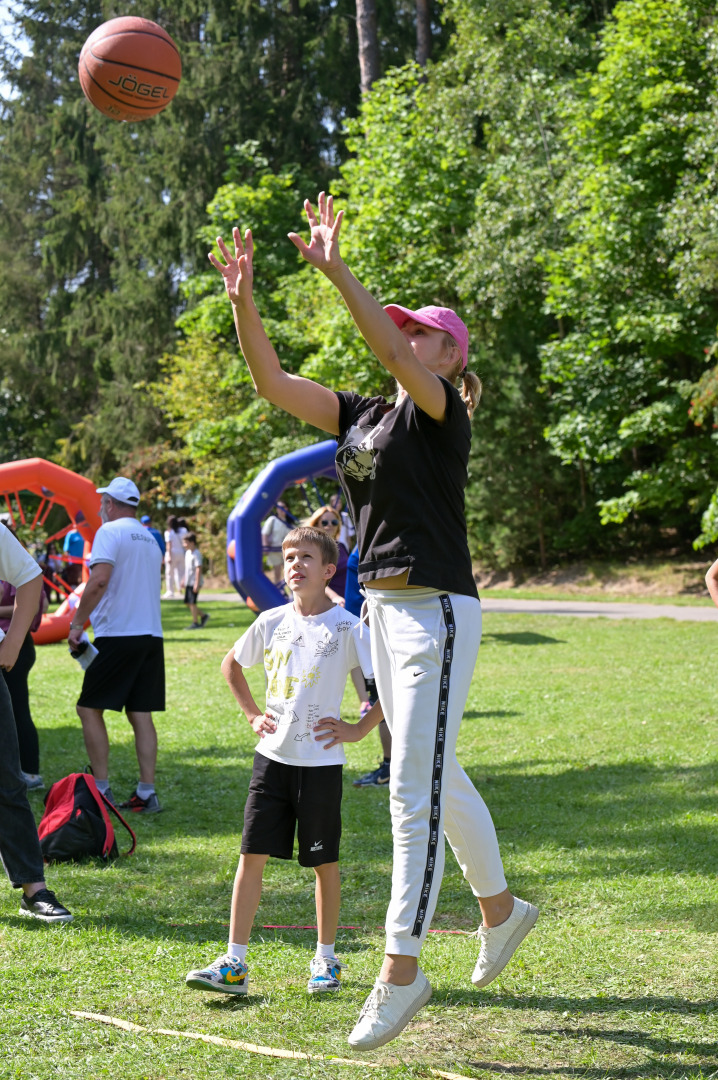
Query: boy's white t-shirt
x=130, y=605
x=192, y=560
x=306, y=662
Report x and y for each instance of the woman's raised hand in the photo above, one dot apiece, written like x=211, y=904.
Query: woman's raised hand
x=237, y=272
x=322, y=250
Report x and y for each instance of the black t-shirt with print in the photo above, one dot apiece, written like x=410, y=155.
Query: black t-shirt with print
x=404, y=476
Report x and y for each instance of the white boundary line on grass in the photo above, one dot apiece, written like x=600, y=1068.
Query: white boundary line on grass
x=250, y=1048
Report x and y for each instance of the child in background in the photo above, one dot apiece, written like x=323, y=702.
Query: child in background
x=308, y=648
x=193, y=580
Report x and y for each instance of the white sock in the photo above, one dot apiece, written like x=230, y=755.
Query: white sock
x=238, y=951
x=145, y=790
x=325, y=952
x=103, y=786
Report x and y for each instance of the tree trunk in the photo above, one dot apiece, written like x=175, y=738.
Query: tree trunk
x=368, y=44
x=423, y=32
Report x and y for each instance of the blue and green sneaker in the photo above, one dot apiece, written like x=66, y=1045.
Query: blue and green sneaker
x=326, y=973
x=227, y=975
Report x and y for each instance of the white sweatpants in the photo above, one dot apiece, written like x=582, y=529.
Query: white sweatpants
x=174, y=574
x=424, y=647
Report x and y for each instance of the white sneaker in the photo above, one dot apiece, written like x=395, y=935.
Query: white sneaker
x=387, y=1011
x=499, y=943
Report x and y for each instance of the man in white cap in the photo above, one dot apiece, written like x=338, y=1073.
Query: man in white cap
x=123, y=603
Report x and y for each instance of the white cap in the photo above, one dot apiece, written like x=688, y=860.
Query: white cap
x=122, y=489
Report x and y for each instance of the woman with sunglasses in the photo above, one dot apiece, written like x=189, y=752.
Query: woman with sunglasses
x=329, y=522
x=403, y=468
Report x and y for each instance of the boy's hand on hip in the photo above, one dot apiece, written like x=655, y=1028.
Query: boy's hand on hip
x=331, y=732
x=263, y=724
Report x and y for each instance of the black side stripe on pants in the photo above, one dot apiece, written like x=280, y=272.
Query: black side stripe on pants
x=434, y=838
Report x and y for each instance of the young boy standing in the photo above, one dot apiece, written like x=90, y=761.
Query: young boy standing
x=308, y=649
x=193, y=579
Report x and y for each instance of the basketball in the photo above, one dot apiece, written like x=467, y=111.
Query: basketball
x=129, y=68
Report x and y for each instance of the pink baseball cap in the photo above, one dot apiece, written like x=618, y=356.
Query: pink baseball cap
x=441, y=318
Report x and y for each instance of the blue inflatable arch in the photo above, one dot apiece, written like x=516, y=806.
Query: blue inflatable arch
x=244, y=536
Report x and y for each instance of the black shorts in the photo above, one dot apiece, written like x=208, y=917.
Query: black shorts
x=282, y=797
x=190, y=594
x=127, y=673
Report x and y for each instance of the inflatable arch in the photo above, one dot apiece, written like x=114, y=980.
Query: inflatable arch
x=244, y=536
x=54, y=486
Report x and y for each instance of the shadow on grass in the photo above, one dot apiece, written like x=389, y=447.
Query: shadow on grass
x=606, y=820
x=669, y=1061
x=660, y=1045
x=476, y=714
x=523, y=637
x=661, y=1068
x=628, y=817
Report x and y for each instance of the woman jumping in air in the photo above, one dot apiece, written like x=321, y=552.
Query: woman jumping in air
x=403, y=468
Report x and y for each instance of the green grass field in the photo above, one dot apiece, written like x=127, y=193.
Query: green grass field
x=594, y=744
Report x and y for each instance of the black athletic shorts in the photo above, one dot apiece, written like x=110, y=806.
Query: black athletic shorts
x=190, y=594
x=282, y=797
x=127, y=673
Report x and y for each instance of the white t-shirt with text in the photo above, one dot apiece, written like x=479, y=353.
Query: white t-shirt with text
x=131, y=602
x=306, y=662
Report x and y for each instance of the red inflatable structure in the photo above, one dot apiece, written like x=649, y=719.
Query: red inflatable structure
x=54, y=486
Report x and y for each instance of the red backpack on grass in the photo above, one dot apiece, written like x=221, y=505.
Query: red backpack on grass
x=76, y=823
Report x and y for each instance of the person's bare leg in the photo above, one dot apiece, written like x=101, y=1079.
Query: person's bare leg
x=97, y=742
x=496, y=909
x=32, y=887
x=327, y=894
x=145, y=744
x=385, y=738
x=399, y=970
x=246, y=894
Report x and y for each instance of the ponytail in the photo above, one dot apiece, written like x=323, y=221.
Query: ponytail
x=470, y=384
x=470, y=391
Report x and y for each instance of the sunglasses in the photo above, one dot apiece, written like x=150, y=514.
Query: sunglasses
x=329, y=521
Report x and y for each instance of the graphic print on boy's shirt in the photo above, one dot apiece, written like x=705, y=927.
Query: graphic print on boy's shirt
x=306, y=661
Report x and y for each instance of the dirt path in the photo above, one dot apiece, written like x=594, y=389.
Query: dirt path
x=591, y=609
x=581, y=609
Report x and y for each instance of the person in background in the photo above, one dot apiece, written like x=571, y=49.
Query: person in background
x=146, y=520
x=347, y=535
x=329, y=521
x=274, y=529
x=51, y=566
x=174, y=558
x=20, y=850
x=122, y=601
x=73, y=550
x=193, y=580
x=353, y=601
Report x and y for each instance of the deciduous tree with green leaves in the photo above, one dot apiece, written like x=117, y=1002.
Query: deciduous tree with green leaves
x=633, y=319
